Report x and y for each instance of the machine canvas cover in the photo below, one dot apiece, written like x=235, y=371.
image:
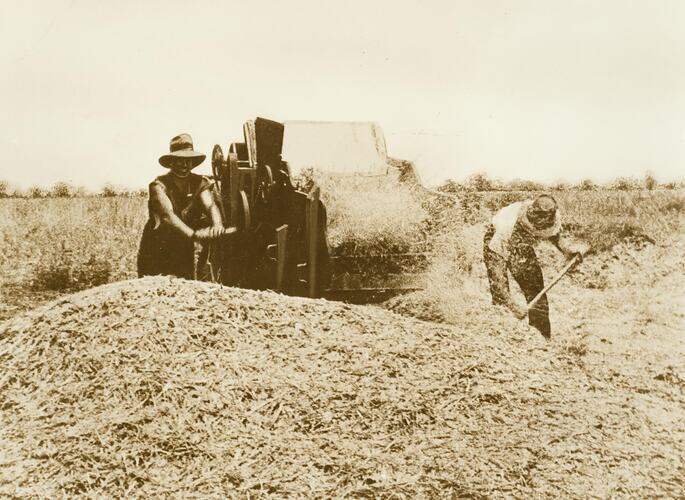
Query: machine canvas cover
x=339, y=147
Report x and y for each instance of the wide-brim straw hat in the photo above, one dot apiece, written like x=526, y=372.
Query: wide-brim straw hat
x=181, y=146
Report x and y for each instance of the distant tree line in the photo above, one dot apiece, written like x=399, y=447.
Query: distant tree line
x=68, y=190
x=481, y=182
x=473, y=183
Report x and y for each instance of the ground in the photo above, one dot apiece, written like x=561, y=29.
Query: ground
x=474, y=403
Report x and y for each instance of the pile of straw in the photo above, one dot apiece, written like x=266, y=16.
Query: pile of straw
x=162, y=386
x=368, y=214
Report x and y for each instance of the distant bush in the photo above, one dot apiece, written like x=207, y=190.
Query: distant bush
x=625, y=184
x=482, y=183
x=132, y=193
x=587, y=185
x=37, y=192
x=672, y=185
x=67, y=190
x=450, y=186
x=524, y=185
x=62, y=190
x=109, y=191
x=561, y=186
x=478, y=182
x=650, y=182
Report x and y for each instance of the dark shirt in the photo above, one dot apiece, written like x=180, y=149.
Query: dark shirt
x=164, y=250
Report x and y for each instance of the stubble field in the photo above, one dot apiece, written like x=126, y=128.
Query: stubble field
x=165, y=387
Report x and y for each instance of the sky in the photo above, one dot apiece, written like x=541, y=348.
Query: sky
x=92, y=91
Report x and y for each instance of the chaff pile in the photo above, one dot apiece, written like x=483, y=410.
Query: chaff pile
x=161, y=386
x=368, y=214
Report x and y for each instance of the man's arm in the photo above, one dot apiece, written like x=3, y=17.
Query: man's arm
x=217, y=229
x=499, y=285
x=570, y=247
x=211, y=208
x=162, y=207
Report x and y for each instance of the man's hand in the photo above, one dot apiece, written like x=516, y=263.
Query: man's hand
x=519, y=311
x=208, y=233
x=578, y=250
x=213, y=233
x=571, y=246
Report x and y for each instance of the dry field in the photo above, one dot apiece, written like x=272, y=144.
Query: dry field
x=162, y=387
x=53, y=246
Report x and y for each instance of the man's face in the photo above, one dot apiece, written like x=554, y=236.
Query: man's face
x=181, y=167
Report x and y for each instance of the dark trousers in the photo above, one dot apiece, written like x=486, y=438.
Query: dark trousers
x=164, y=252
x=524, y=267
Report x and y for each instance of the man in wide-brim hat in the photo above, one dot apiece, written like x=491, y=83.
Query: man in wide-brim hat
x=180, y=148
x=182, y=213
x=508, y=246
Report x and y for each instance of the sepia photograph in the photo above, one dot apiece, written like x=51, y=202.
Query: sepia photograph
x=364, y=249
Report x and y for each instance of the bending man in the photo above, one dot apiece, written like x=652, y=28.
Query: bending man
x=508, y=246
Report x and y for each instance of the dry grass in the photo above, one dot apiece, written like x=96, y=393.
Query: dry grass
x=52, y=246
x=41, y=231
x=161, y=387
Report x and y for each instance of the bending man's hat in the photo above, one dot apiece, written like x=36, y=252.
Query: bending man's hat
x=543, y=204
x=181, y=146
x=542, y=212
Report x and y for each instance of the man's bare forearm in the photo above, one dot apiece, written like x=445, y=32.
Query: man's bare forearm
x=163, y=207
x=173, y=221
x=570, y=246
x=211, y=208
